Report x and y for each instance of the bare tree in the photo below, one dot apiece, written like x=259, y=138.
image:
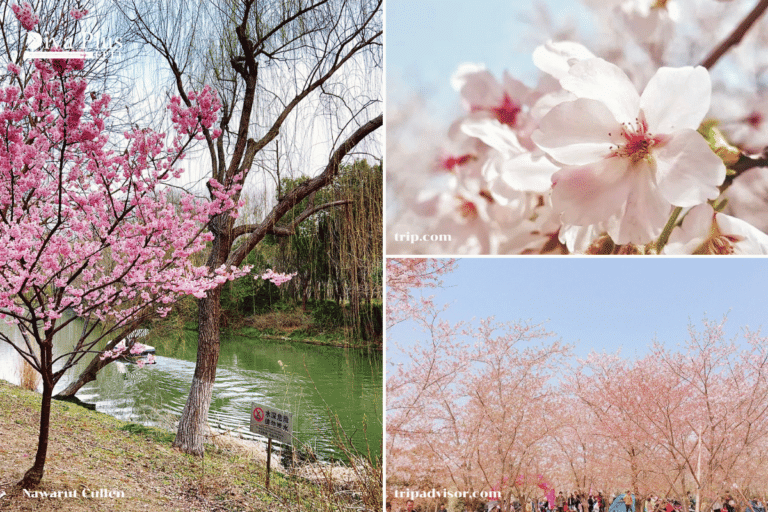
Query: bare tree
x=280, y=67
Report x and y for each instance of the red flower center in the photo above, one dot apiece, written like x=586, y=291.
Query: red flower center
x=755, y=119
x=451, y=162
x=467, y=209
x=507, y=112
x=637, y=141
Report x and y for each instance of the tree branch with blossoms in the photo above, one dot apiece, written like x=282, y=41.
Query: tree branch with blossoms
x=91, y=232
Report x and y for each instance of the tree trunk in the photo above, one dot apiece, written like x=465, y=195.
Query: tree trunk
x=88, y=375
x=96, y=364
x=193, y=424
x=33, y=476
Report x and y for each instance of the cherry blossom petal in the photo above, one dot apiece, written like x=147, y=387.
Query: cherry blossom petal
x=687, y=171
x=702, y=226
x=578, y=132
x=556, y=58
x=598, y=79
x=646, y=211
x=578, y=238
x=499, y=136
x=591, y=194
x=543, y=105
x=529, y=171
x=676, y=98
x=515, y=89
x=478, y=87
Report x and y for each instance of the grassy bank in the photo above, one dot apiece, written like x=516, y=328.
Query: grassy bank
x=92, y=451
x=320, y=324
x=294, y=325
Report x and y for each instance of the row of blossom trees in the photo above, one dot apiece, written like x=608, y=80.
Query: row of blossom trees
x=498, y=406
x=635, y=144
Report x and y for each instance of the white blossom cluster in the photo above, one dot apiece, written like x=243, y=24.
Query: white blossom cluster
x=629, y=153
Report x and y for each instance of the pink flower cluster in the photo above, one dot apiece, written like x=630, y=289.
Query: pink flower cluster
x=276, y=278
x=120, y=350
x=652, y=140
x=26, y=15
x=78, y=14
x=97, y=229
x=150, y=359
x=203, y=112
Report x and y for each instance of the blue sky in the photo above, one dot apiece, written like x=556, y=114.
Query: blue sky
x=426, y=40
x=603, y=304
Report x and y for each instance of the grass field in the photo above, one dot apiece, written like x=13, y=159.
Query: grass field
x=96, y=462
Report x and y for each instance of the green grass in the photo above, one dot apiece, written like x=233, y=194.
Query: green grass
x=88, y=449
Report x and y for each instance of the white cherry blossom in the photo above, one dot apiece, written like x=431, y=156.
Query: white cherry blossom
x=626, y=158
x=705, y=231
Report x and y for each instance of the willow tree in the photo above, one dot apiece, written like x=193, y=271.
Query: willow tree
x=338, y=256
x=288, y=72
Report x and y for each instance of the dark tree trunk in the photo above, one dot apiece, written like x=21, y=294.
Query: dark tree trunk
x=194, y=418
x=88, y=375
x=96, y=364
x=193, y=424
x=33, y=476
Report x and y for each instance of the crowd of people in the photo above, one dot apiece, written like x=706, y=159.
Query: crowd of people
x=596, y=502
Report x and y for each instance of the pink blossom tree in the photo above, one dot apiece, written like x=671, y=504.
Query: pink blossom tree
x=404, y=276
x=679, y=421
x=281, y=69
x=92, y=230
x=728, y=385
x=470, y=400
x=627, y=401
x=492, y=405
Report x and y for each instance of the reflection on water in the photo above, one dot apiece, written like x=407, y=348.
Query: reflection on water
x=313, y=382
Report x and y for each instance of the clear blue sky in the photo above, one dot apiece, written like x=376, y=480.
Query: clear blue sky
x=602, y=304
x=427, y=39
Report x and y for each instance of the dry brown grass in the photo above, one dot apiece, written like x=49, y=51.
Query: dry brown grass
x=28, y=376
x=286, y=321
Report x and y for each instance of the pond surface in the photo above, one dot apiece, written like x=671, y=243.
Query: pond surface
x=317, y=384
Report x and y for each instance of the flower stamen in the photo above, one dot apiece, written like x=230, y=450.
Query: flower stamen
x=467, y=209
x=718, y=242
x=638, y=142
x=507, y=112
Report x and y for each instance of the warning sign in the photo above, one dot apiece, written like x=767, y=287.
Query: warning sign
x=272, y=423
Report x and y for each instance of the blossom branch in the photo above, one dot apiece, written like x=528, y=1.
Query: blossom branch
x=736, y=36
x=747, y=162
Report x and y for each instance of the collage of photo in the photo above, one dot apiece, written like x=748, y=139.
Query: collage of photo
x=383, y=255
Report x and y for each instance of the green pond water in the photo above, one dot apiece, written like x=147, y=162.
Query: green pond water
x=316, y=384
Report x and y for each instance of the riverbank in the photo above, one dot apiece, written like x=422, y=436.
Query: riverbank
x=96, y=462
x=319, y=325
x=291, y=324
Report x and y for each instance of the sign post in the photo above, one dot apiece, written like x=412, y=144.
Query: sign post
x=274, y=424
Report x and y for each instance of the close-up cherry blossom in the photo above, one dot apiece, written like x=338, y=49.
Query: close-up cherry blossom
x=629, y=119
